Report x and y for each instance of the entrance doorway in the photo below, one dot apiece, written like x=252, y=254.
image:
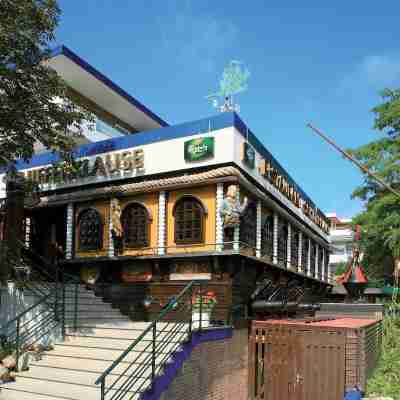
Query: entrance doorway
x=48, y=229
x=296, y=363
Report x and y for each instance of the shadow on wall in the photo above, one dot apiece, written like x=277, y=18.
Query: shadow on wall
x=14, y=301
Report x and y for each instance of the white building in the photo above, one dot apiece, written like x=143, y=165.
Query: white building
x=341, y=238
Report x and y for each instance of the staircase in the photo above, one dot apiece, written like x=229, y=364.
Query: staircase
x=98, y=353
x=71, y=369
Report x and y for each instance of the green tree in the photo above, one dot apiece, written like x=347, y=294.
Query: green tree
x=33, y=103
x=341, y=268
x=380, y=221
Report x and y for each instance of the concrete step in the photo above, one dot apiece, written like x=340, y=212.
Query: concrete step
x=98, y=319
x=113, y=343
x=56, y=390
x=10, y=394
x=131, y=332
x=81, y=364
x=103, y=353
x=88, y=314
x=77, y=377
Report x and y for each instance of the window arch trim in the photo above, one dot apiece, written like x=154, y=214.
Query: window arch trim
x=189, y=196
x=99, y=217
x=181, y=236
x=134, y=202
x=146, y=242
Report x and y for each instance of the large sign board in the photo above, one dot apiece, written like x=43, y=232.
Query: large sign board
x=199, y=149
x=104, y=166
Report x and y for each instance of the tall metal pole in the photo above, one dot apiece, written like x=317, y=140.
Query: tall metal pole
x=353, y=160
x=373, y=176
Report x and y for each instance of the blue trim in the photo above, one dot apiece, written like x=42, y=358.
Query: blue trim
x=213, y=123
x=161, y=383
x=138, y=139
x=245, y=131
x=65, y=51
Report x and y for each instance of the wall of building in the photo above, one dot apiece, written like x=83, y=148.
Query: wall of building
x=216, y=370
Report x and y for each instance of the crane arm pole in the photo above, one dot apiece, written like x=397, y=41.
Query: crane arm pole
x=353, y=160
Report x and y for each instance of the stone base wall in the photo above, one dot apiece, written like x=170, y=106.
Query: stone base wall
x=216, y=370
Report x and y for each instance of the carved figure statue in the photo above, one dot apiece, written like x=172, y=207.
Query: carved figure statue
x=116, y=218
x=231, y=209
x=116, y=231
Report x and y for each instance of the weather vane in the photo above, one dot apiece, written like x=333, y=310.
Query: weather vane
x=233, y=81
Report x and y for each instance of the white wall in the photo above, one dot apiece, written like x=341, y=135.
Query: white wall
x=13, y=302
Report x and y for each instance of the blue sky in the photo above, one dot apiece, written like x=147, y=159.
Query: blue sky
x=320, y=63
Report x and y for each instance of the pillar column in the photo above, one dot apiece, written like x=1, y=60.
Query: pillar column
x=111, y=250
x=316, y=260
x=328, y=266
x=70, y=231
x=219, y=225
x=323, y=264
x=27, y=231
x=236, y=232
x=289, y=246
x=258, y=228
x=300, y=253
x=162, y=203
x=275, y=241
x=309, y=258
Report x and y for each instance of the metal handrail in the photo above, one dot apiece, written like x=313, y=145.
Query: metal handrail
x=19, y=316
x=166, y=334
x=145, y=332
x=23, y=334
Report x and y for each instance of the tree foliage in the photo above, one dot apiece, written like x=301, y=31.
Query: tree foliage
x=380, y=221
x=33, y=103
x=385, y=380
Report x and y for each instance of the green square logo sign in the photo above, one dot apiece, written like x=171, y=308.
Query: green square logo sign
x=199, y=149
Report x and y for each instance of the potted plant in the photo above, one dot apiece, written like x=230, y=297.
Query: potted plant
x=202, y=307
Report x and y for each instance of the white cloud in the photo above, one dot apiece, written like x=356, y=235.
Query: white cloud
x=373, y=72
x=196, y=39
x=381, y=70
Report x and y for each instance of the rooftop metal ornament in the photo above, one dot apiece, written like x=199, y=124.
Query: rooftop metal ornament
x=233, y=81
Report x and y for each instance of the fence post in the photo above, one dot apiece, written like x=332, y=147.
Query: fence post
x=103, y=384
x=191, y=312
x=17, y=343
x=252, y=363
x=56, y=299
x=201, y=306
x=76, y=307
x=63, y=306
x=153, y=357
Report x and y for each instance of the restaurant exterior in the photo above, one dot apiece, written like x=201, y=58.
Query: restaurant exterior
x=150, y=207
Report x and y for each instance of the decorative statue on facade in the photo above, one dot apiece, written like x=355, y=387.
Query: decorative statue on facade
x=231, y=209
x=116, y=231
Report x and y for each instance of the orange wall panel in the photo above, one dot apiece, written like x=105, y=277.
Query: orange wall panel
x=206, y=194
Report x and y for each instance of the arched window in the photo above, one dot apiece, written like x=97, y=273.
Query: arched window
x=326, y=260
x=282, y=241
x=90, y=230
x=248, y=226
x=189, y=220
x=294, y=251
x=135, y=224
x=313, y=253
x=320, y=261
x=267, y=236
x=304, y=254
